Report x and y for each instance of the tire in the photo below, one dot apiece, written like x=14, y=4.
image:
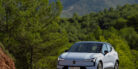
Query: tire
x=116, y=65
x=100, y=66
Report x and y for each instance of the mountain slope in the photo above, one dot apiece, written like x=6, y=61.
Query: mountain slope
x=86, y=6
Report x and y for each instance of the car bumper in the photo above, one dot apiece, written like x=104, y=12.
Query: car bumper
x=84, y=67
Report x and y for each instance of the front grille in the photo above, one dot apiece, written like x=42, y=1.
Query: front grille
x=66, y=67
x=83, y=68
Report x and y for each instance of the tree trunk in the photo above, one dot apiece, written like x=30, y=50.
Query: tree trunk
x=31, y=58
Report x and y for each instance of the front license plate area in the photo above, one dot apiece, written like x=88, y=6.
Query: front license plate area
x=74, y=68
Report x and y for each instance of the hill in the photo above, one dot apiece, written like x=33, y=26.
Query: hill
x=86, y=6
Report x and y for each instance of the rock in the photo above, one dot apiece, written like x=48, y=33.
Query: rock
x=5, y=61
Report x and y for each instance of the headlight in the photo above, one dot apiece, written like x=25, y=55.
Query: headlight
x=60, y=59
x=91, y=60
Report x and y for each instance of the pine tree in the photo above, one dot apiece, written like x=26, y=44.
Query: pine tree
x=29, y=30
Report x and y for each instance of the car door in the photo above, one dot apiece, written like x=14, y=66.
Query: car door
x=106, y=59
x=110, y=55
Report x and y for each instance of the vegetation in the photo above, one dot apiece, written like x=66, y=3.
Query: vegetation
x=28, y=29
x=35, y=35
x=116, y=26
x=83, y=7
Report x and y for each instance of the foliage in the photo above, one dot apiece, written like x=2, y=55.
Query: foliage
x=116, y=26
x=33, y=32
x=28, y=29
x=135, y=58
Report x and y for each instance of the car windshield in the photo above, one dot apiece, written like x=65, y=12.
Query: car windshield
x=86, y=47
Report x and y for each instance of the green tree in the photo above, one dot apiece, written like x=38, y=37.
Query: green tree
x=121, y=46
x=133, y=21
x=29, y=30
x=131, y=36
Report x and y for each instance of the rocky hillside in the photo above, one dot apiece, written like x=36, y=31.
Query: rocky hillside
x=5, y=61
x=86, y=6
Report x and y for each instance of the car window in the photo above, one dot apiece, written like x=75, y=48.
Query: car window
x=86, y=47
x=104, y=48
x=109, y=48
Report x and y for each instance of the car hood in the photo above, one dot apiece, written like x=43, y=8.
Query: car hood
x=79, y=56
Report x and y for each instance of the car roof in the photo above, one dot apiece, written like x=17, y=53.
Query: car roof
x=92, y=42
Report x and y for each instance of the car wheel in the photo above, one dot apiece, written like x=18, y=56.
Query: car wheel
x=116, y=65
x=100, y=66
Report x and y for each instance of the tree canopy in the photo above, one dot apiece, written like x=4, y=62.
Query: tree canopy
x=33, y=32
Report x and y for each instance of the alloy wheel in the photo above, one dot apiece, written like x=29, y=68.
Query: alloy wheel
x=116, y=65
x=99, y=66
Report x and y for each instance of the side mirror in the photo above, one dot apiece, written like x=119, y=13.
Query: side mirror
x=66, y=51
x=105, y=52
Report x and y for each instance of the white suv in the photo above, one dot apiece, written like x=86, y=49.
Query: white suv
x=89, y=55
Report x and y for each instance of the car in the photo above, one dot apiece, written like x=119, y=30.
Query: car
x=89, y=55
